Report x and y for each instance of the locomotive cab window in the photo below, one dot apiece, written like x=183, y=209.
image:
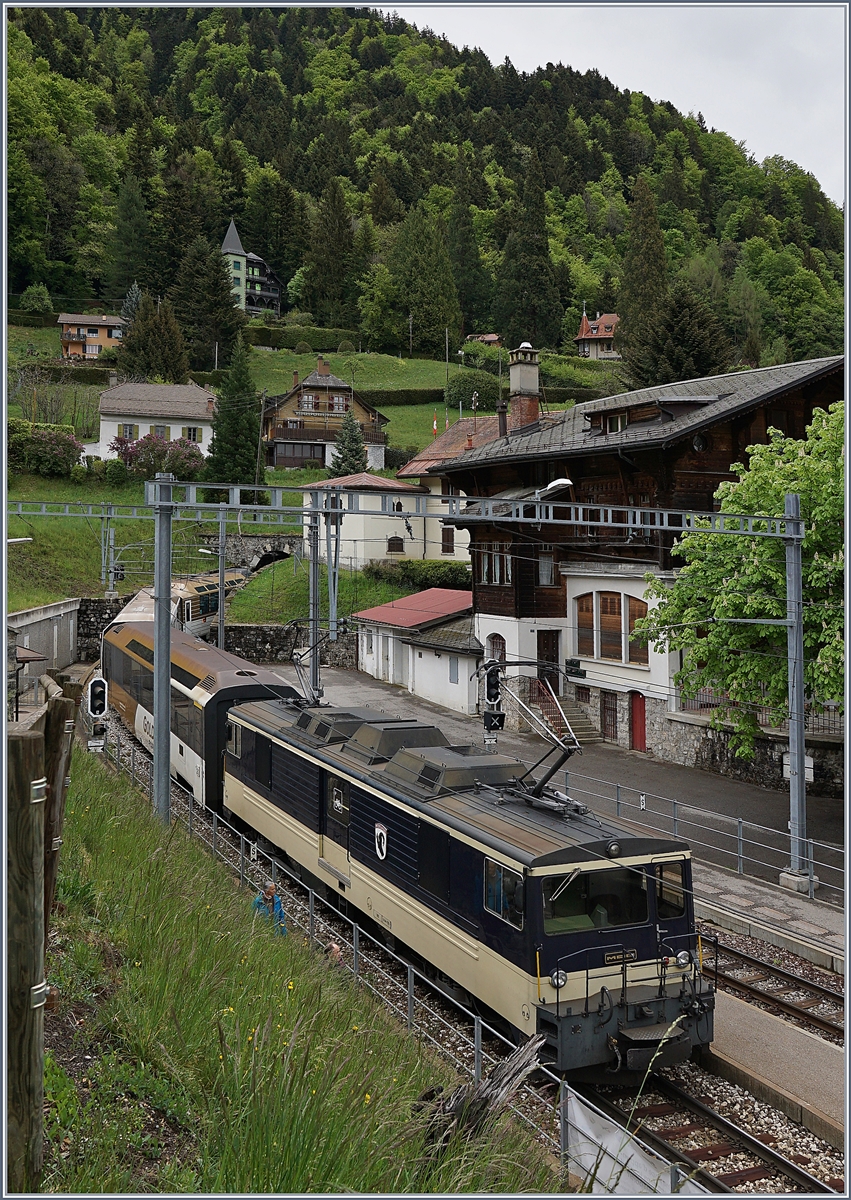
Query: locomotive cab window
x=234, y=744
x=504, y=893
x=670, y=892
x=596, y=900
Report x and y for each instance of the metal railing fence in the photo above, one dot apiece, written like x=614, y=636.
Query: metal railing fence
x=416, y=1001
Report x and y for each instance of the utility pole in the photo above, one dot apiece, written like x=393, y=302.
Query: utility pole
x=410, y=335
x=795, y=652
x=313, y=551
x=162, y=646
x=223, y=530
x=333, y=521
x=260, y=436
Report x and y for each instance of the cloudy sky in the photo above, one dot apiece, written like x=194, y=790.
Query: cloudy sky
x=771, y=75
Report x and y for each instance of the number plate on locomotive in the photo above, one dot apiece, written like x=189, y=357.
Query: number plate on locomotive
x=617, y=956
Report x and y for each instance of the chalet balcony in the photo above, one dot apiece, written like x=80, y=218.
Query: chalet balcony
x=73, y=337
x=323, y=431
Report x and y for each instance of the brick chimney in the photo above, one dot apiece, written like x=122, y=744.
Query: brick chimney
x=524, y=387
x=295, y=379
x=322, y=367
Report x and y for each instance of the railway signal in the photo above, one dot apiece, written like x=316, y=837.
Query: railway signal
x=97, y=697
x=493, y=717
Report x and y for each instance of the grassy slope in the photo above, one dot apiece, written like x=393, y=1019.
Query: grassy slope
x=273, y=370
x=209, y=1056
x=279, y=594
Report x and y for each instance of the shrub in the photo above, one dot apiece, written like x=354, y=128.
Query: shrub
x=463, y=383
x=109, y=355
x=17, y=440
x=420, y=575
x=149, y=455
x=345, y=347
x=115, y=473
x=396, y=457
x=79, y=473
x=313, y=464
x=98, y=469
x=184, y=459
x=36, y=299
x=381, y=398
x=298, y=318
x=52, y=451
x=302, y=348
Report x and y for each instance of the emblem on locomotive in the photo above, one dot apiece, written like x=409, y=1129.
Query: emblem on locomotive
x=381, y=840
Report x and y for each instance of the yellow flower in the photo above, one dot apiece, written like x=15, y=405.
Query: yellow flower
x=354, y=1029
x=290, y=986
x=367, y=1098
x=138, y=964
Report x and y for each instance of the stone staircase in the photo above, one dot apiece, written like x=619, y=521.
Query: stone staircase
x=541, y=702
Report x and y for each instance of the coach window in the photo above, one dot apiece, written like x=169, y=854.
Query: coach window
x=234, y=744
x=504, y=893
x=670, y=893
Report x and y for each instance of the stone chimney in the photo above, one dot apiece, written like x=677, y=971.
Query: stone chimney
x=524, y=387
x=295, y=379
x=322, y=367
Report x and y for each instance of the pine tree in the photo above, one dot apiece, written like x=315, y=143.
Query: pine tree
x=686, y=341
x=644, y=279
x=131, y=305
x=329, y=259
x=383, y=204
x=471, y=279
x=207, y=309
x=422, y=275
x=527, y=305
x=350, y=457
x=131, y=240
x=236, y=425
x=154, y=347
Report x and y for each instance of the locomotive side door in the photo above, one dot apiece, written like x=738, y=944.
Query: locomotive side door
x=334, y=832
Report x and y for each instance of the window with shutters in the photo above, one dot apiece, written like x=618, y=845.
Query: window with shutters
x=193, y=433
x=638, y=653
x=127, y=431
x=159, y=431
x=611, y=630
x=447, y=540
x=453, y=669
x=585, y=625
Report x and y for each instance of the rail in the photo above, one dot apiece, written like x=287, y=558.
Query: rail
x=566, y=1128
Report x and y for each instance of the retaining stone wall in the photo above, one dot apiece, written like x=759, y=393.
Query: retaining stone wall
x=93, y=616
x=275, y=643
x=244, y=549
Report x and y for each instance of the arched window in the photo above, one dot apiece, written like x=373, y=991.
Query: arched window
x=395, y=545
x=496, y=647
x=637, y=652
x=585, y=625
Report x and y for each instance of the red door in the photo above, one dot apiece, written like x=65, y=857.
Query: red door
x=638, y=725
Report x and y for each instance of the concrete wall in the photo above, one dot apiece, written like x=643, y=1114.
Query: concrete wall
x=50, y=630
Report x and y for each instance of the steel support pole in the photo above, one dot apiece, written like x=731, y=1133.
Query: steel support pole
x=111, y=571
x=313, y=551
x=162, y=646
x=223, y=528
x=795, y=652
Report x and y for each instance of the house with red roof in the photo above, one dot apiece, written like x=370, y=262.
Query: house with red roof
x=425, y=643
x=596, y=336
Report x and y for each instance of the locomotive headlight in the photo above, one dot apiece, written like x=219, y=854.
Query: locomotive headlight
x=558, y=979
x=684, y=959
x=613, y=849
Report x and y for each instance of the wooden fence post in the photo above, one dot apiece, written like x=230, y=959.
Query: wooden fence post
x=58, y=741
x=25, y=950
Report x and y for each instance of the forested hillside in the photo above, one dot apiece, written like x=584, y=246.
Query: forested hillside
x=384, y=172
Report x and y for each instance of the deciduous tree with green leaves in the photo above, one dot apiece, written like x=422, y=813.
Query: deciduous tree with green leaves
x=730, y=576
x=350, y=457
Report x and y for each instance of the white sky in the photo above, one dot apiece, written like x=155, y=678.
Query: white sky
x=770, y=75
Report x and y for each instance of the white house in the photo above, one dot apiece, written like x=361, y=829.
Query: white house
x=424, y=643
x=369, y=532
x=445, y=541
x=170, y=410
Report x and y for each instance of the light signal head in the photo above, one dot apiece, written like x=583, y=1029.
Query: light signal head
x=97, y=697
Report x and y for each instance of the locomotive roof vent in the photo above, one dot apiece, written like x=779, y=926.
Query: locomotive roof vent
x=446, y=769
x=332, y=724
x=377, y=741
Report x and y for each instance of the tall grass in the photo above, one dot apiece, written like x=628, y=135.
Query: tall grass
x=279, y=593
x=262, y=1068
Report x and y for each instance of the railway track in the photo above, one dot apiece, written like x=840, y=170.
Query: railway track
x=688, y=1131
x=811, y=1003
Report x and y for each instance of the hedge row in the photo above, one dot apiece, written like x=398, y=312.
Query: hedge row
x=389, y=397
x=208, y=378
x=33, y=320
x=288, y=337
x=98, y=376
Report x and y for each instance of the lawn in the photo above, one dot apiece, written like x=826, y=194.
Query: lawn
x=19, y=338
x=279, y=593
x=193, y=1052
x=273, y=370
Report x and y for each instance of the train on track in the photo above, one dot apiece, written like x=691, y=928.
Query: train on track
x=547, y=918
x=194, y=602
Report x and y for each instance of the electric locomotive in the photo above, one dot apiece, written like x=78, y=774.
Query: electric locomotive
x=548, y=917
x=205, y=682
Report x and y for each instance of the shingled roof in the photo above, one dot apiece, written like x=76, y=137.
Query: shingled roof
x=451, y=443
x=683, y=410
x=232, y=243
x=455, y=637
x=157, y=400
